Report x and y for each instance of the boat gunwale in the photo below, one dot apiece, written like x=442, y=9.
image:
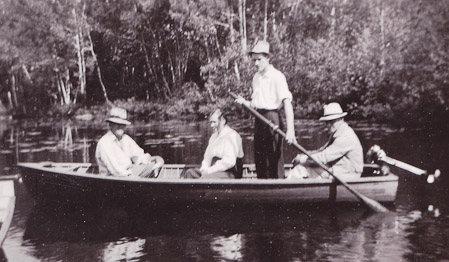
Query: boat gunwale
x=245, y=181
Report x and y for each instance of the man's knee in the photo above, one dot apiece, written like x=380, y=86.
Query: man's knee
x=191, y=173
x=298, y=172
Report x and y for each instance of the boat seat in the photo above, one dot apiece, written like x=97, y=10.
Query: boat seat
x=370, y=170
x=239, y=168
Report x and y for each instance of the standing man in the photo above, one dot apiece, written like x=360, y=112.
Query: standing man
x=118, y=154
x=343, y=153
x=270, y=94
x=224, y=153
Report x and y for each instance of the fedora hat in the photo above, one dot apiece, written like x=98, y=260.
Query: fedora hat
x=118, y=115
x=332, y=111
x=262, y=47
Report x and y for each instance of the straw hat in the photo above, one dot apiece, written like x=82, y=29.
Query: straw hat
x=262, y=47
x=118, y=115
x=332, y=111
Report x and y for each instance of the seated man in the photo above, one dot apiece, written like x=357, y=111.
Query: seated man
x=118, y=154
x=224, y=153
x=343, y=152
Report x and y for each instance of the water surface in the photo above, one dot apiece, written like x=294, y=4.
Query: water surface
x=415, y=230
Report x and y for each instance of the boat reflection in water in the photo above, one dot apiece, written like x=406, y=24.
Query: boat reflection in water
x=262, y=233
x=412, y=231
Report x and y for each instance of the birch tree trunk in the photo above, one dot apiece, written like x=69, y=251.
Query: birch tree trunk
x=15, y=104
x=242, y=33
x=80, y=53
x=244, y=28
x=382, y=39
x=230, y=21
x=94, y=56
x=265, y=21
x=64, y=87
x=148, y=65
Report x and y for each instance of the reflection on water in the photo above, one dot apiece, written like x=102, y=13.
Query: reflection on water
x=236, y=234
x=416, y=229
x=124, y=250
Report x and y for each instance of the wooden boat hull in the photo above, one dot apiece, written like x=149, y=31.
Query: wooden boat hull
x=64, y=182
x=7, y=204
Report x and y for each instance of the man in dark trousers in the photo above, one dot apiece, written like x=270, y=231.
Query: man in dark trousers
x=270, y=94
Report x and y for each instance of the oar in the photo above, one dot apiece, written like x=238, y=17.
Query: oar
x=10, y=177
x=380, y=155
x=374, y=205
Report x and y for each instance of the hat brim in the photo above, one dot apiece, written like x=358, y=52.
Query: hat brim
x=333, y=117
x=118, y=121
x=263, y=53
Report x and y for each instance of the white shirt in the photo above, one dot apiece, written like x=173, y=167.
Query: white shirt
x=226, y=145
x=269, y=89
x=114, y=156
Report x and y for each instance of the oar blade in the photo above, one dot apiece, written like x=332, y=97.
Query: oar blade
x=374, y=205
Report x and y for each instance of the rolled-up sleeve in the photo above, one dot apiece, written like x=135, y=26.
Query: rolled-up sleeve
x=282, y=88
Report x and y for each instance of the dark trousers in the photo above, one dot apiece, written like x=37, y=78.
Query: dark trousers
x=268, y=146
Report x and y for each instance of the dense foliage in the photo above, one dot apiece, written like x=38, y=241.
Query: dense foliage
x=383, y=60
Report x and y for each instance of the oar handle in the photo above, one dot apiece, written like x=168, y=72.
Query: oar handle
x=10, y=177
x=380, y=155
x=405, y=166
x=369, y=202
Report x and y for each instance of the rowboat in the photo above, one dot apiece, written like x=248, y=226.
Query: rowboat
x=7, y=204
x=81, y=182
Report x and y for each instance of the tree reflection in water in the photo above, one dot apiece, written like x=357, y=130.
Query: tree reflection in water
x=269, y=233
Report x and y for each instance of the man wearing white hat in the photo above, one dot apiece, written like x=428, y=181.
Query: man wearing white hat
x=118, y=154
x=270, y=94
x=343, y=153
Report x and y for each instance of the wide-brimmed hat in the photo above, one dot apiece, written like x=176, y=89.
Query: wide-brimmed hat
x=118, y=115
x=332, y=111
x=262, y=47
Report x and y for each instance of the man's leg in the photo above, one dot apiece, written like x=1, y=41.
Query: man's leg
x=307, y=171
x=275, y=148
x=191, y=173
x=219, y=175
x=142, y=170
x=149, y=169
x=260, y=158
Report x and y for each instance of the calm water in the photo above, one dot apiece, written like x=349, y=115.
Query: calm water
x=417, y=229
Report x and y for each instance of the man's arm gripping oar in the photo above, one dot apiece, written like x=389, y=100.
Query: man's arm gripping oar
x=374, y=205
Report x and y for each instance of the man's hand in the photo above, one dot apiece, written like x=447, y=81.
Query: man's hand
x=204, y=171
x=300, y=159
x=158, y=161
x=290, y=136
x=242, y=101
x=135, y=159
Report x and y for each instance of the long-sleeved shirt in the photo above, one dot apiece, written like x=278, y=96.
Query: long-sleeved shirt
x=114, y=156
x=344, y=153
x=269, y=89
x=226, y=146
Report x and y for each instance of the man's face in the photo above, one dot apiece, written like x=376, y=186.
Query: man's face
x=260, y=61
x=330, y=125
x=216, y=122
x=117, y=129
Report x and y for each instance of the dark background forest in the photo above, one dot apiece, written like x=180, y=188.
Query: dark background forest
x=383, y=60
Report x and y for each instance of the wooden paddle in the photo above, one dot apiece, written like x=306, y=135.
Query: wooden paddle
x=374, y=205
